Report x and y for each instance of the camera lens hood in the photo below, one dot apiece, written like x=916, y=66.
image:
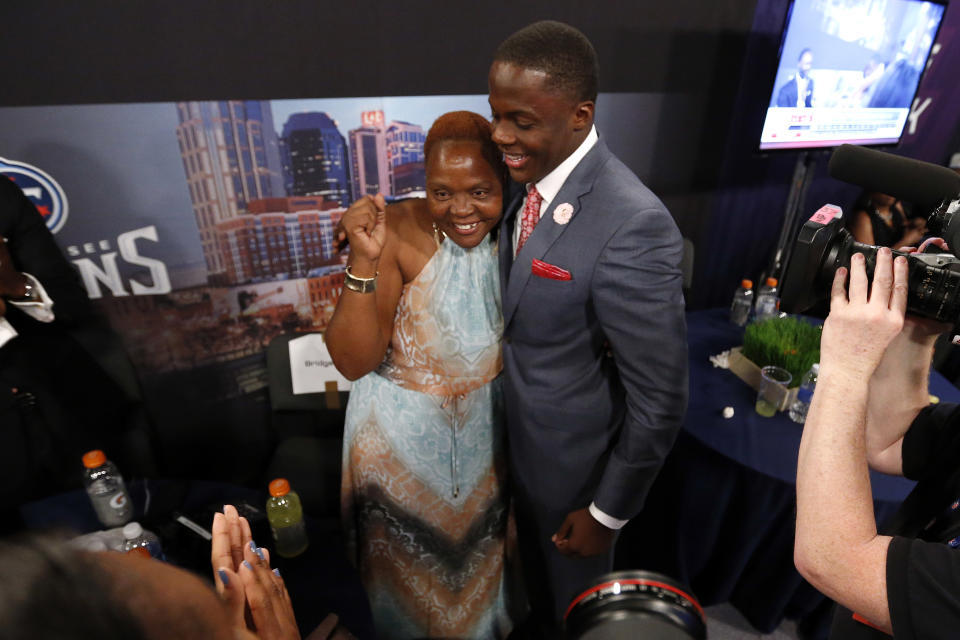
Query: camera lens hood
x=635, y=604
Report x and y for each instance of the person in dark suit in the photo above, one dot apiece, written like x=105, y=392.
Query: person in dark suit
x=56, y=400
x=594, y=348
x=799, y=85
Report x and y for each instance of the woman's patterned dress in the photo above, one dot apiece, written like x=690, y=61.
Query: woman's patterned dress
x=423, y=493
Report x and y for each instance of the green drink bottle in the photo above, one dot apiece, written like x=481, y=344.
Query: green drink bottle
x=286, y=519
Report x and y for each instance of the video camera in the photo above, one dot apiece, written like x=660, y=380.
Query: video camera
x=823, y=244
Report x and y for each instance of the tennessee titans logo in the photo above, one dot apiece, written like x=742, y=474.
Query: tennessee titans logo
x=42, y=190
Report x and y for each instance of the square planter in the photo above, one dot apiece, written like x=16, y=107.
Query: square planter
x=749, y=372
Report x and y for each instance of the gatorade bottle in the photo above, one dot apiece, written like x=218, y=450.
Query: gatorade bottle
x=742, y=303
x=105, y=487
x=286, y=519
x=139, y=540
x=768, y=302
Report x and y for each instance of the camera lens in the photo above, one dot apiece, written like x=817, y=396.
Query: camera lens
x=635, y=604
x=932, y=291
x=933, y=281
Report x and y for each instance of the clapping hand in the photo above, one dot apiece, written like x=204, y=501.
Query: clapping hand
x=256, y=597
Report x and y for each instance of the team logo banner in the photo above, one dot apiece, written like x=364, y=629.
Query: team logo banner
x=41, y=188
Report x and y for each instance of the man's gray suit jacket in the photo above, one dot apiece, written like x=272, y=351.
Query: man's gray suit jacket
x=595, y=366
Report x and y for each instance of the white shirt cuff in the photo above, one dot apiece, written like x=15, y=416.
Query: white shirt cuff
x=7, y=332
x=608, y=521
x=42, y=309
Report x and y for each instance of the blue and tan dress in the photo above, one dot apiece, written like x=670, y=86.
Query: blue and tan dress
x=423, y=494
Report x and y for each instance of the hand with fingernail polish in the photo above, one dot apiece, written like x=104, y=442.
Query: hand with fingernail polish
x=256, y=596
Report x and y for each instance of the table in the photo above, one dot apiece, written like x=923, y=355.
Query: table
x=320, y=580
x=721, y=515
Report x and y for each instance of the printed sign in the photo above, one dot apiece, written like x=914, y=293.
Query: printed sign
x=311, y=366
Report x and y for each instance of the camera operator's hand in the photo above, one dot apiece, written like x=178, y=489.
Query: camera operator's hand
x=864, y=320
x=898, y=387
x=937, y=242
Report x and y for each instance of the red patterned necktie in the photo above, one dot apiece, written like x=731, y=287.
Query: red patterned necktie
x=530, y=216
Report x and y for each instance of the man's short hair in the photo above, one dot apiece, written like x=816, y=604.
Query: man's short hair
x=560, y=51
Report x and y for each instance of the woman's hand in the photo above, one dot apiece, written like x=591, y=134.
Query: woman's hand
x=365, y=225
x=266, y=595
x=245, y=581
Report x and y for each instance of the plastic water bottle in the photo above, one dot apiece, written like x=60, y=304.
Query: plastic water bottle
x=742, y=303
x=105, y=487
x=800, y=406
x=286, y=519
x=136, y=539
x=767, y=301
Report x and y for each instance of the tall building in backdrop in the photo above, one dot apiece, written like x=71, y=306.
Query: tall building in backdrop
x=405, y=154
x=315, y=158
x=368, y=156
x=230, y=156
x=280, y=238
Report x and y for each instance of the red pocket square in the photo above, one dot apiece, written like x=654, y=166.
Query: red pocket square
x=547, y=270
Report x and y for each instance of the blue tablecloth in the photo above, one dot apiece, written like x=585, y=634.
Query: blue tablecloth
x=768, y=445
x=721, y=515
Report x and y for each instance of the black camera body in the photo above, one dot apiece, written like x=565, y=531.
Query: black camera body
x=823, y=245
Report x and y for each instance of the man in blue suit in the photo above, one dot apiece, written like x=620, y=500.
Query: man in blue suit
x=594, y=347
x=798, y=91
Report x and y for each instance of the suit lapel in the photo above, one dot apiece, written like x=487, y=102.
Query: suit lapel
x=505, y=241
x=548, y=230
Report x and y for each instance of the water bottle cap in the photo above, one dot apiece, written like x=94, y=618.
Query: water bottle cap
x=771, y=282
x=132, y=530
x=93, y=459
x=815, y=367
x=279, y=487
x=746, y=283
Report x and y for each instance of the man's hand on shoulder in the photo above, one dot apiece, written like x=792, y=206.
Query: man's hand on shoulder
x=581, y=535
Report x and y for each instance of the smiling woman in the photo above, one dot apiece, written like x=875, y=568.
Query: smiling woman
x=464, y=193
x=419, y=323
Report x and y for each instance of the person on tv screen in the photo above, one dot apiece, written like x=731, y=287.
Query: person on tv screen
x=896, y=88
x=798, y=91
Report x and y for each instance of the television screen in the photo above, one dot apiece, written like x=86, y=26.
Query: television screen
x=848, y=71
